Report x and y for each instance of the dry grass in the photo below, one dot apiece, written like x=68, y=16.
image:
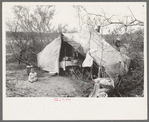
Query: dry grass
x=132, y=85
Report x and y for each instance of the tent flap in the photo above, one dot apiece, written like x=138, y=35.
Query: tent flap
x=88, y=62
x=48, y=58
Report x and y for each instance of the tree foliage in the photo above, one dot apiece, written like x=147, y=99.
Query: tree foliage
x=30, y=31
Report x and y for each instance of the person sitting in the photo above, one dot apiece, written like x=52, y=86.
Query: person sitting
x=32, y=76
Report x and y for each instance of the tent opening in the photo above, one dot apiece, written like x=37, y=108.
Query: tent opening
x=68, y=53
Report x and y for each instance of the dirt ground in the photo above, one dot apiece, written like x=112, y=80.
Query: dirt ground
x=17, y=84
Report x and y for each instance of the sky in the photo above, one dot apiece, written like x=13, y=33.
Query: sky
x=67, y=14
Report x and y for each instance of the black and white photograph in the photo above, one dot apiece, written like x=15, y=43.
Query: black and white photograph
x=67, y=51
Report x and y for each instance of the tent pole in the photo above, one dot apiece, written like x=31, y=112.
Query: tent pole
x=98, y=72
x=65, y=61
x=91, y=72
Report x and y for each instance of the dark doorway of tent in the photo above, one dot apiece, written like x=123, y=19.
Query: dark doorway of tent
x=70, y=64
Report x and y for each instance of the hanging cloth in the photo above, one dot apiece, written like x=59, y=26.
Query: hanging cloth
x=88, y=62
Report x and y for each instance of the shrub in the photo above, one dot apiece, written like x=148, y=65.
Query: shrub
x=132, y=84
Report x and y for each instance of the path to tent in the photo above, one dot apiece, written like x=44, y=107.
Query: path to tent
x=49, y=86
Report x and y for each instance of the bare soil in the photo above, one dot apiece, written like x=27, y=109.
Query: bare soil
x=17, y=84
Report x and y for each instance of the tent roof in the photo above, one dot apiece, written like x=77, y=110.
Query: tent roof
x=102, y=52
x=96, y=45
x=73, y=40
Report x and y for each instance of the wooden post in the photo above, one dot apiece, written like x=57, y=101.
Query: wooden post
x=91, y=73
x=65, y=61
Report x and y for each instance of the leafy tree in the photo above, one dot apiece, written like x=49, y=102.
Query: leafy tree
x=30, y=31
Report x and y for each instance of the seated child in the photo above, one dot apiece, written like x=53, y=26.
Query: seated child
x=32, y=76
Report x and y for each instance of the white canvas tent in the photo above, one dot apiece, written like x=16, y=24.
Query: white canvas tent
x=48, y=58
x=101, y=52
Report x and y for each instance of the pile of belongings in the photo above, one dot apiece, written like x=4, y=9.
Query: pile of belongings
x=101, y=87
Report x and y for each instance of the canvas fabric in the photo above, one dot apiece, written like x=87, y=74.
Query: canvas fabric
x=102, y=52
x=88, y=62
x=48, y=58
